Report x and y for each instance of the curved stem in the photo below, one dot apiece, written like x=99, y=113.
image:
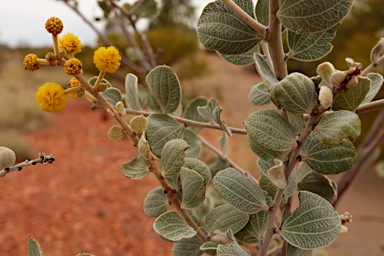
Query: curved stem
x=371, y=106
x=372, y=66
x=260, y=28
x=188, y=122
x=229, y=161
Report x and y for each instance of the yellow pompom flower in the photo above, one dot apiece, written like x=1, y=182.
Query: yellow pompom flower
x=73, y=66
x=50, y=97
x=70, y=43
x=107, y=59
x=30, y=62
x=54, y=26
x=72, y=84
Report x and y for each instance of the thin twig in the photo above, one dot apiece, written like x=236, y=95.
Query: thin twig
x=105, y=40
x=372, y=66
x=371, y=106
x=43, y=159
x=229, y=161
x=267, y=54
x=260, y=28
x=189, y=122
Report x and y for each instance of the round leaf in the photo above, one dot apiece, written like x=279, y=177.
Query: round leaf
x=112, y=96
x=34, y=248
x=165, y=88
x=240, y=190
x=187, y=247
x=209, y=248
x=254, y=230
x=354, y=96
x=311, y=47
x=308, y=16
x=172, y=227
x=172, y=157
x=193, y=188
x=338, y=125
x=161, y=129
x=259, y=95
x=265, y=153
x=136, y=168
x=376, y=83
x=199, y=167
x=195, y=146
x=270, y=130
x=232, y=249
x=191, y=112
x=296, y=93
x=223, y=218
x=155, y=203
x=314, y=224
x=220, y=29
x=327, y=159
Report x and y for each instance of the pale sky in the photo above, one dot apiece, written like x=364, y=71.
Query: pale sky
x=22, y=21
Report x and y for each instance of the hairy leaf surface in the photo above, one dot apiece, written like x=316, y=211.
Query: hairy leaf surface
x=255, y=228
x=172, y=227
x=136, y=168
x=187, y=247
x=172, y=157
x=259, y=95
x=376, y=83
x=354, y=96
x=193, y=188
x=132, y=91
x=156, y=202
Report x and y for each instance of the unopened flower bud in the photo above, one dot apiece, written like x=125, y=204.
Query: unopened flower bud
x=353, y=81
x=73, y=66
x=115, y=133
x=337, y=78
x=7, y=157
x=143, y=147
x=325, y=97
x=120, y=108
x=343, y=229
x=139, y=124
x=325, y=70
x=102, y=87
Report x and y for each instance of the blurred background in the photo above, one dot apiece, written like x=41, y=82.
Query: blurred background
x=82, y=202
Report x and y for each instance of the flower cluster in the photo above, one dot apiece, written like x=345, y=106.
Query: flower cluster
x=73, y=66
x=50, y=97
x=30, y=62
x=107, y=59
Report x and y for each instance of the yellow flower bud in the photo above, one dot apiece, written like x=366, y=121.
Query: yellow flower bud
x=54, y=26
x=73, y=66
x=30, y=62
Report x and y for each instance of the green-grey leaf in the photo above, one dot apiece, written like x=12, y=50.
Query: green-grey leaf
x=172, y=157
x=199, y=167
x=243, y=59
x=34, y=248
x=377, y=51
x=112, y=96
x=265, y=153
x=155, y=203
x=232, y=249
x=327, y=159
x=311, y=47
x=297, y=122
x=338, y=125
x=193, y=188
x=314, y=223
x=271, y=130
x=152, y=102
x=209, y=248
x=254, y=229
x=161, y=129
x=188, y=247
x=376, y=83
x=309, y=16
x=240, y=190
x=207, y=111
x=223, y=143
x=294, y=251
x=319, y=184
x=267, y=75
x=191, y=112
x=264, y=165
x=132, y=91
x=266, y=185
x=172, y=227
x=259, y=95
x=216, y=117
x=354, y=96
x=222, y=30
x=165, y=88
x=223, y=218
x=262, y=12
x=136, y=168
x=146, y=9
x=195, y=146
x=296, y=93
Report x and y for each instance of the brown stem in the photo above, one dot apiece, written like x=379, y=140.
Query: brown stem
x=229, y=161
x=190, y=122
x=288, y=170
x=260, y=28
x=371, y=106
x=275, y=41
x=372, y=66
